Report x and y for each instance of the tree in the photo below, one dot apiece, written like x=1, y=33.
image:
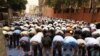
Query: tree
x=62, y=5
x=17, y=5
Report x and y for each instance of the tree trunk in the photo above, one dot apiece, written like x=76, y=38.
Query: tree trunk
x=9, y=16
x=2, y=44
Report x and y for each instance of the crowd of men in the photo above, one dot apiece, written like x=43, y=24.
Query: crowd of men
x=42, y=36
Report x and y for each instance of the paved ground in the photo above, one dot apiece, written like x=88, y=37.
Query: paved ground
x=14, y=52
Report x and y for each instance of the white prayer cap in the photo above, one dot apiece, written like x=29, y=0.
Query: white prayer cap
x=12, y=28
x=59, y=25
x=4, y=32
x=95, y=32
x=85, y=29
x=38, y=27
x=63, y=23
x=59, y=31
x=6, y=28
x=75, y=25
x=33, y=32
x=32, y=29
x=57, y=28
x=98, y=39
x=69, y=29
x=59, y=20
x=21, y=27
x=98, y=31
x=40, y=34
x=93, y=28
x=45, y=28
x=25, y=28
x=92, y=25
x=81, y=41
x=10, y=33
x=26, y=25
x=31, y=24
x=63, y=28
x=55, y=22
x=50, y=25
x=80, y=22
x=51, y=28
x=24, y=33
x=68, y=24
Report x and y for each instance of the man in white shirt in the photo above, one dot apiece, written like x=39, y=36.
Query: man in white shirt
x=36, y=43
x=81, y=47
x=91, y=43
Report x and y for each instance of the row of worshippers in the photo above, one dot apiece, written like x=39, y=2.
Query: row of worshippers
x=62, y=37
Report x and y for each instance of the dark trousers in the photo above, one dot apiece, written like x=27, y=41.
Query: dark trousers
x=37, y=47
x=96, y=50
x=57, y=47
x=25, y=45
x=16, y=38
x=7, y=39
x=89, y=50
x=11, y=41
x=82, y=51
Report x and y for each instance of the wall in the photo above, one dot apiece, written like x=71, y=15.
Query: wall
x=89, y=17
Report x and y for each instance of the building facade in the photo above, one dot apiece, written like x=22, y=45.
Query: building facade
x=85, y=13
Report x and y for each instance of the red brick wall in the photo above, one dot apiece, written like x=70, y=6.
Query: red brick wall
x=76, y=16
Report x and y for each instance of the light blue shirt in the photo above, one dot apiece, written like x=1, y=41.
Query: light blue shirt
x=70, y=41
x=17, y=31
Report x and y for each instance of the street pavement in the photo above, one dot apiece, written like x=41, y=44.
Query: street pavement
x=14, y=52
x=17, y=52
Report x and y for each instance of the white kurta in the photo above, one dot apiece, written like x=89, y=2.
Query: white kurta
x=58, y=38
x=37, y=37
x=90, y=41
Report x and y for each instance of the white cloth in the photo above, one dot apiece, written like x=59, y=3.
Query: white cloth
x=85, y=29
x=90, y=41
x=58, y=38
x=59, y=31
x=6, y=28
x=37, y=37
x=4, y=32
x=92, y=25
x=24, y=38
x=10, y=33
x=81, y=41
x=98, y=39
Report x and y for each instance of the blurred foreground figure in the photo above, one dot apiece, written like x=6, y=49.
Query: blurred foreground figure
x=57, y=43
x=46, y=42
x=25, y=43
x=37, y=44
x=70, y=43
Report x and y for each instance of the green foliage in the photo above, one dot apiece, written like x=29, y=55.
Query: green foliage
x=17, y=5
x=58, y=4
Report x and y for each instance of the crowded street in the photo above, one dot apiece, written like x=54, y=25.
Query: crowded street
x=49, y=27
x=40, y=35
